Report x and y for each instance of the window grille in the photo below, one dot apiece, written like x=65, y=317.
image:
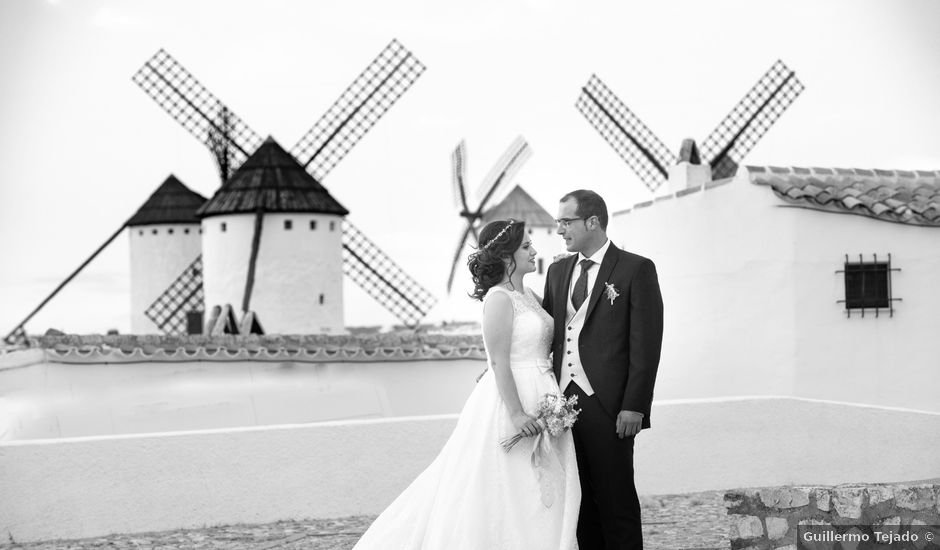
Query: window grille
x=868, y=286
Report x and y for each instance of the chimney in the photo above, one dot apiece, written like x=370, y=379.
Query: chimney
x=690, y=171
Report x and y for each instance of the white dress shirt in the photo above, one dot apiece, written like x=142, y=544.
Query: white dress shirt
x=572, y=371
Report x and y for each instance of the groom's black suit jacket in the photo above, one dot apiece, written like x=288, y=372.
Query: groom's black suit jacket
x=620, y=343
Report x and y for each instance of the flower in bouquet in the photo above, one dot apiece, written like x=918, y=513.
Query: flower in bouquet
x=554, y=412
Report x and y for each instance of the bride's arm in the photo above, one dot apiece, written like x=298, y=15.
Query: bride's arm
x=497, y=333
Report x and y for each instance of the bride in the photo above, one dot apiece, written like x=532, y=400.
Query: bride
x=475, y=495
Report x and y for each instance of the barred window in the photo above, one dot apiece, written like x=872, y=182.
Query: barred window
x=868, y=285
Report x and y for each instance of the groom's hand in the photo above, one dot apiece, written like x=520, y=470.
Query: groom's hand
x=629, y=423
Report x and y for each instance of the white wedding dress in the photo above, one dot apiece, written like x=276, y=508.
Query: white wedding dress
x=475, y=495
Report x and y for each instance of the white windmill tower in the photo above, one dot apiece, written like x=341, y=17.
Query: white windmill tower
x=165, y=237
x=295, y=280
x=274, y=241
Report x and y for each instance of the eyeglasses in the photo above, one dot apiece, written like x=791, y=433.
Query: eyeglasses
x=565, y=222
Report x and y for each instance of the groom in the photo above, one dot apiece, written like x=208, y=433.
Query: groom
x=608, y=315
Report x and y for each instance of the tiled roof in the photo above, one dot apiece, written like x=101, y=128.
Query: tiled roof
x=272, y=180
x=903, y=196
x=519, y=205
x=172, y=202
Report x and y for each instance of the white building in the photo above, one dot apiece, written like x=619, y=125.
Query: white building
x=298, y=280
x=805, y=282
x=164, y=239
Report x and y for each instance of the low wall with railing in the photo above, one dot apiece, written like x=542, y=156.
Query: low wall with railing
x=84, y=487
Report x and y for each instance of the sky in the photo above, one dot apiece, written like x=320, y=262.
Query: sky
x=82, y=147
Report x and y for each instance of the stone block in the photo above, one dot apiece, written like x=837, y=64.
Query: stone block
x=916, y=498
x=822, y=499
x=784, y=497
x=776, y=527
x=878, y=494
x=847, y=501
x=746, y=527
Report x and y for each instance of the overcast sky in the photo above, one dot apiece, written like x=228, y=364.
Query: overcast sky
x=81, y=147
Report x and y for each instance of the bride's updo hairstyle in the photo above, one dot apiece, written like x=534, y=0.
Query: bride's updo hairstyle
x=499, y=240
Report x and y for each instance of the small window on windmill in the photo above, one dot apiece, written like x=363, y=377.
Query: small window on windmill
x=186, y=230
x=321, y=299
x=868, y=285
x=223, y=227
x=313, y=225
x=288, y=225
x=170, y=231
x=140, y=232
x=332, y=226
x=154, y=231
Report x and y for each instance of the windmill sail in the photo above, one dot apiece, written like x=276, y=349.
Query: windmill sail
x=504, y=170
x=750, y=119
x=645, y=153
x=501, y=174
x=363, y=103
x=459, y=176
x=382, y=279
x=200, y=112
x=169, y=311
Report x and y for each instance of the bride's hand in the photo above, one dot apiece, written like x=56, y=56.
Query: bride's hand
x=526, y=424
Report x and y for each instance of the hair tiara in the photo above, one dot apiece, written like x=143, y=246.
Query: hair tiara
x=500, y=234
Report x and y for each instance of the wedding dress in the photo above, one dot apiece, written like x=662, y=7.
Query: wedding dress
x=475, y=495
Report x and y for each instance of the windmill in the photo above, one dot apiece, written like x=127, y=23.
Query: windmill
x=233, y=142
x=724, y=149
x=502, y=172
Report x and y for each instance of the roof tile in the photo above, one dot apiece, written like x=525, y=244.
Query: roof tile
x=905, y=196
x=271, y=180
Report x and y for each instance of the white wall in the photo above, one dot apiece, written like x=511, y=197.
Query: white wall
x=54, y=400
x=728, y=292
x=92, y=486
x=158, y=257
x=293, y=269
x=750, y=291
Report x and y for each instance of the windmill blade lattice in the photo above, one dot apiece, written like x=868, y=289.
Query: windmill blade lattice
x=750, y=119
x=459, y=176
x=196, y=108
x=625, y=132
x=382, y=278
x=357, y=109
x=460, y=245
x=184, y=295
x=504, y=170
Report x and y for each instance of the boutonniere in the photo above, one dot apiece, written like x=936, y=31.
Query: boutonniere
x=611, y=292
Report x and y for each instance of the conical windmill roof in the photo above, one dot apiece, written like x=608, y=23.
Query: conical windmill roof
x=519, y=205
x=172, y=202
x=273, y=181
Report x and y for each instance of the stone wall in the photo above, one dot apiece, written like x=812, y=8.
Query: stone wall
x=767, y=518
x=357, y=340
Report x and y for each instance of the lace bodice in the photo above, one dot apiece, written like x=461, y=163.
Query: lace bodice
x=531, y=327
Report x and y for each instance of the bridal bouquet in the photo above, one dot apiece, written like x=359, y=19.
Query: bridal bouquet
x=554, y=412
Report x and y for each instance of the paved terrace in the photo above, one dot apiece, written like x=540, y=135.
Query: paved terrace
x=694, y=521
